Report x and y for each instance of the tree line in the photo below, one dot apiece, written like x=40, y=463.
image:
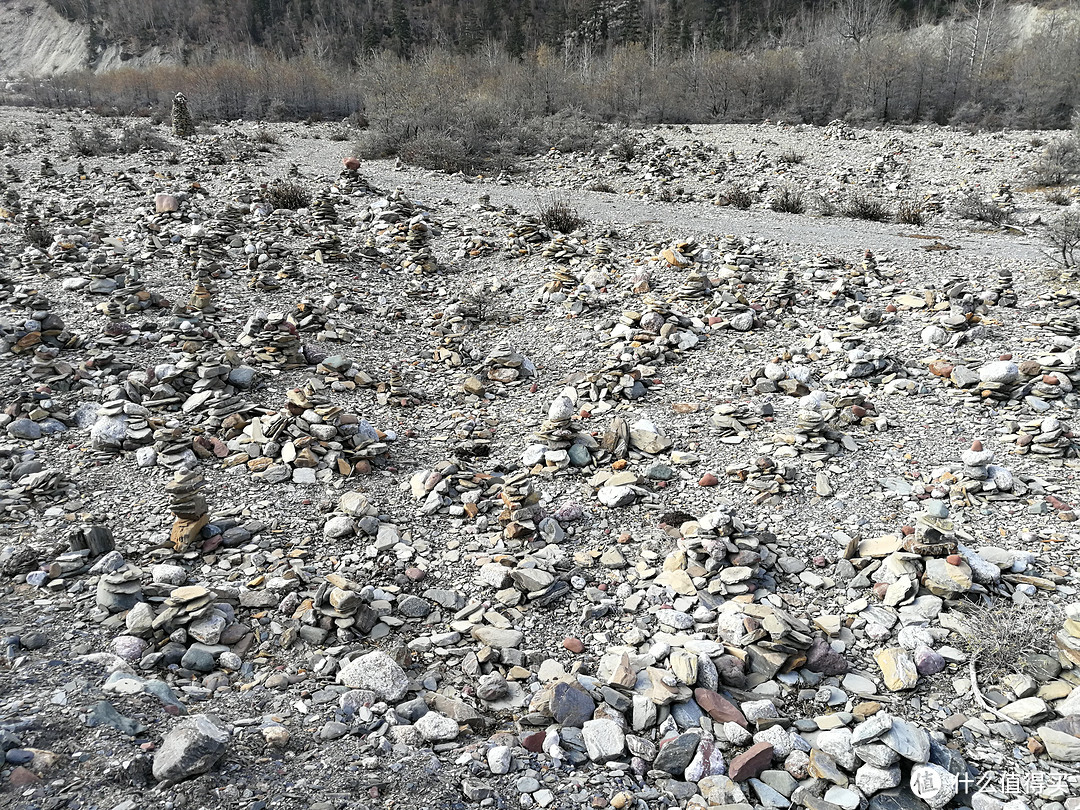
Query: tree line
x=983, y=62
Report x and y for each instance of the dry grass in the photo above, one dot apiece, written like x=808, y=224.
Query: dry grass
x=1001, y=636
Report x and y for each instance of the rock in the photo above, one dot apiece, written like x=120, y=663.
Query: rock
x=1002, y=371
x=897, y=668
x=497, y=637
x=571, y=705
x=1059, y=745
x=191, y=748
x=499, y=759
x=933, y=784
x=1027, y=710
x=338, y=527
x=750, y=763
x=604, y=740
x=435, y=727
x=675, y=754
x=910, y=742
x=378, y=672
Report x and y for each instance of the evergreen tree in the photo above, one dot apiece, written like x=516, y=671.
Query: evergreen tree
x=402, y=29
x=515, y=36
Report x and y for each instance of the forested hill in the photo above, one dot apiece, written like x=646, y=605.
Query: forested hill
x=344, y=30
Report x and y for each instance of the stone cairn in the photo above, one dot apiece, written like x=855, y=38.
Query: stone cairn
x=188, y=506
x=182, y=125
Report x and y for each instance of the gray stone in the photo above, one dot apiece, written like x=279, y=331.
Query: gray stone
x=435, y=727
x=192, y=748
x=604, y=740
x=378, y=672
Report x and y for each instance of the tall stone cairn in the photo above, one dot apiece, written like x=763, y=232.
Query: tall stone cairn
x=182, y=125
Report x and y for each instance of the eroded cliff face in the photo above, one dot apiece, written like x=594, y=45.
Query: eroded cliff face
x=36, y=41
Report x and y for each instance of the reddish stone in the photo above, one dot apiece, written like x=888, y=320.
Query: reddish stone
x=415, y=574
x=351, y=163
x=820, y=561
x=954, y=559
x=708, y=480
x=890, y=308
x=574, y=645
x=1005, y=357
x=533, y=742
x=1057, y=503
x=880, y=588
x=1050, y=379
x=1029, y=368
x=1035, y=746
x=939, y=368
x=750, y=763
x=858, y=411
x=907, y=530
x=21, y=777
x=719, y=708
x=977, y=446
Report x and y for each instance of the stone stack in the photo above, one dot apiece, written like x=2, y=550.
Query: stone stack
x=182, y=125
x=521, y=506
x=1047, y=437
x=735, y=422
x=188, y=506
x=272, y=341
x=504, y=365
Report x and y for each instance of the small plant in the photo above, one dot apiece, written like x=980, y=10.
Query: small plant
x=1000, y=637
x=824, y=205
x=788, y=200
x=738, y=197
x=558, y=215
x=1037, y=141
x=339, y=133
x=791, y=158
x=287, y=194
x=860, y=205
x=1064, y=237
x=37, y=235
x=910, y=212
x=1057, y=196
x=602, y=186
x=623, y=148
x=979, y=209
x=265, y=136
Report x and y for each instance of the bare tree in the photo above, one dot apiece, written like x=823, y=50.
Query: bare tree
x=859, y=20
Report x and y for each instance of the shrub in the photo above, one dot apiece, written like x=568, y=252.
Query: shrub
x=436, y=151
x=1057, y=197
x=602, y=186
x=860, y=205
x=1064, y=237
x=88, y=143
x=788, y=200
x=265, y=136
x=979, y=209
x=558, y=215
x=371, y=145
x=568, y=131
x=1058, y=163
x=287, y=194
x=791, y=158
x=1000, y=637
x=738, y=197
x=95, y=141
x=910, y=212
x=138, y=138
